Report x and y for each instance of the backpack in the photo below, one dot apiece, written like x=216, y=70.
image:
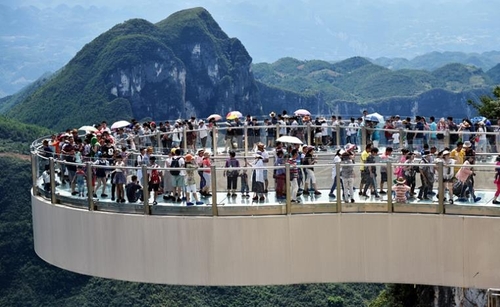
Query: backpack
x=175, y=163
x=233, y=163
x=155, y=176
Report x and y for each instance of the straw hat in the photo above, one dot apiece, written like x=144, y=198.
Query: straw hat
x=467, y=144
x=400, y=180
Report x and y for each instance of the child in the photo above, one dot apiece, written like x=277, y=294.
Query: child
x=244, y=182
x=190, y=181
x=395, y=141
x=400, y=190
x=80, y=180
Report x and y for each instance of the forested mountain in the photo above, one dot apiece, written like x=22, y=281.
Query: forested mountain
x=185, y=64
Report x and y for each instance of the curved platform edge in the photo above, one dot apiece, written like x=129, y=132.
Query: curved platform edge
x=458, y=251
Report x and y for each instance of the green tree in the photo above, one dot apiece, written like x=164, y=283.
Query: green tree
x=488, y=107
x=335, y=301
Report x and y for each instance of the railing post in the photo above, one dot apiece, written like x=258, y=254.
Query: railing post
x=363, y=138
x=90, y=187
x=288, y=189
x=34, y=172
x=145, y=190
x=158, y=141
x=401, y=138
x=337, y=135
x=390, y=207
x=245, y=136
x=309, y=133
x=184, y=140
x=277, y=130
x=53, y=199
x=214, y=139
x=441, y=188
x=339, y=187
x=213, y=173
x=447, y=138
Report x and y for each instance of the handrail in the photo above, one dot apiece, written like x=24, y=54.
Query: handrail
x=93, y=204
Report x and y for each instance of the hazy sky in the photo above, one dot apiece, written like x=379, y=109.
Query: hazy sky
x=326, y=29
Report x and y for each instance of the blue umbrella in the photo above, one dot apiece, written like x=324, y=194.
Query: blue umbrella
x=478, y=119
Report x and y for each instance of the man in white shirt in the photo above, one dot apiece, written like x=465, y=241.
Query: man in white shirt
x=265, y=159
x=203, y=133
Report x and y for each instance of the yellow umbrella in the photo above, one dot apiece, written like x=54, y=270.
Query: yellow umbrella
x=233, y=115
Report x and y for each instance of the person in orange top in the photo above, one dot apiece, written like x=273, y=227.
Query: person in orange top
x=206, y=163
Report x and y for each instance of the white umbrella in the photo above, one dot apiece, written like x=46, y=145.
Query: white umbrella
x=120, y=124
x=302, y=112
x=289, y=139
x=377, y=116
x=216, y=117
x=88, y=128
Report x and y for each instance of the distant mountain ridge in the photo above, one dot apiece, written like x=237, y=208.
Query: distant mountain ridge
x=433, y=60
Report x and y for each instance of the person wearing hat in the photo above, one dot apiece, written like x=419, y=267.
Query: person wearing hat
x=347, y=175
x=258, y=177
x=481, y=140
x=265, y=160
x=468, y=150
x=401, y=191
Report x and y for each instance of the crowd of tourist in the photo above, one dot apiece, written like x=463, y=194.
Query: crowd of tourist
x=187, y=145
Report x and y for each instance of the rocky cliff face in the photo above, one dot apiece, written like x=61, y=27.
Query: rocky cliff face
x=200, y=71
x=182, y=66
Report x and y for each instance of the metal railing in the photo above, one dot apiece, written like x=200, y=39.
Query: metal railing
x=60, y=195
x=493, y=297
